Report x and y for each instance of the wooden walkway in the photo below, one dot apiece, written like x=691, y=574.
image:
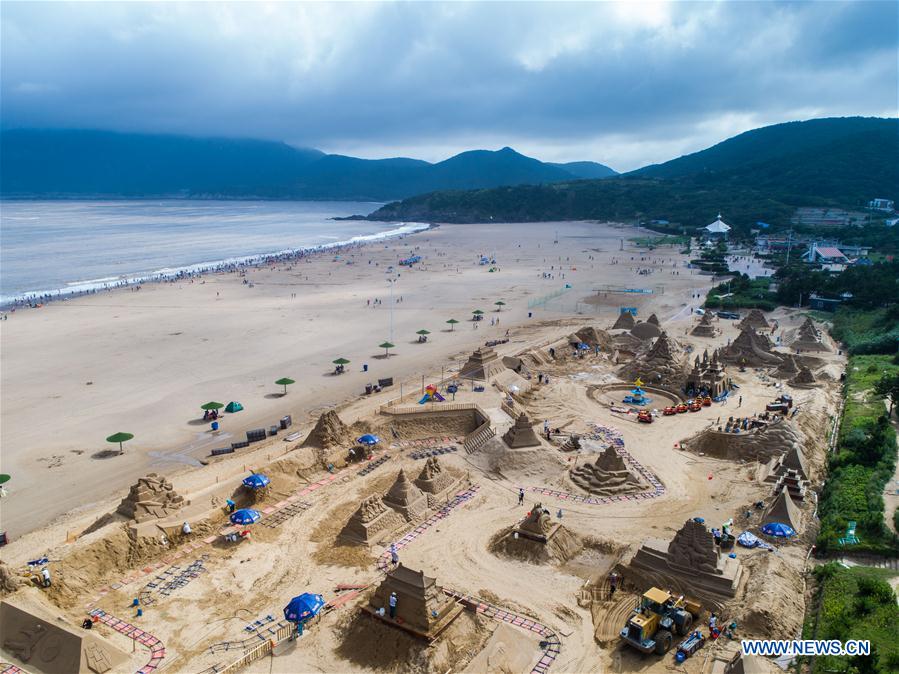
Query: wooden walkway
x=157, y=648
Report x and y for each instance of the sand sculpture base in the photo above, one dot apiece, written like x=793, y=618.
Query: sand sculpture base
x=607, y=476
x=757, y=444
x=422, y=609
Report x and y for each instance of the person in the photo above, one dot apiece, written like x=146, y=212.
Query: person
x=713, y=622
x=520, y=496
x=392, y=602
x=45, y=577
x=740, y=402
x=231, y=505
x=185, y=529
x=394, y=555
x=613, y=584
x=87, y=623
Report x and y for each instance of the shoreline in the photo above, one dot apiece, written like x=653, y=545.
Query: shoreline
x=76, y=289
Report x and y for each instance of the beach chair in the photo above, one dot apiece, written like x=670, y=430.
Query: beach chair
x=849, y=538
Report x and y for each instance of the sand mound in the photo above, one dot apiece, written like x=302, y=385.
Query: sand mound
x=153, y=497
x=750, y=349
x=627, y=342
x=705, y=327
x=662, y=364
x=653, y=320
x=787, y=368
x=759, y=444
x=625, y=321
x=517, y=464
x=774, y=604
x=595, y=337
x=606, y=476
x=645, y=331
x=803, y=378
x=807, y=338
x=329, y=432
x=508, y=651
x=755, y=320
x=561, y=546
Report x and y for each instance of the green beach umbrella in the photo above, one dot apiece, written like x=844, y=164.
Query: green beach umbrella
x=4, y=478
x=341, y=361
x=386, y=346
x=212, y=406
x=119, y=438
x=477, y=312
x=285, y=382
x=500, y=304
x=423, y=332
x=452, y=323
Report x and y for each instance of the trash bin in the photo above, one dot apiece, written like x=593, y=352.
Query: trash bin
x=215, y=425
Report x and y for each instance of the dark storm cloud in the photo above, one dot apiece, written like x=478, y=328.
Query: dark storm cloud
x=622, y=83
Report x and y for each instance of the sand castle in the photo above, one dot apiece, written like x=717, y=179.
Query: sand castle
x=421, y=606
x=804, y=378
x=750, y=349
x=606, y=476
x=39, y=642
x=625, y=321
x=660, y=365
x=708, y=375
x=538, y=525
x=646, y=331
x=153, y=497
x=808, y=338
x=794, y=485
x=705, y=327
x=406, y=499
x=755, y=320
x=521, y=434
x=482, y=365
x=435, y=482
x=692, y=562
x=783, y=511
x=788, y=367
x=372, y=522
x=746, y=439
x=329, y=432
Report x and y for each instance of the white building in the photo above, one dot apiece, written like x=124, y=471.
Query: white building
x=881, y=205
x=717, y=229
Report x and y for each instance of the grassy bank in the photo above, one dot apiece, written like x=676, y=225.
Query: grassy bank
x=867, y=332
x=742, y=293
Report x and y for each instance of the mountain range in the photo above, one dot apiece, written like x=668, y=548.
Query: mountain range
x=67, y=163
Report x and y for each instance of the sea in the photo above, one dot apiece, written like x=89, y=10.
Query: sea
x=63, y=248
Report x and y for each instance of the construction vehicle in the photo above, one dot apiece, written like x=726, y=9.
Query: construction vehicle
x=652, y=625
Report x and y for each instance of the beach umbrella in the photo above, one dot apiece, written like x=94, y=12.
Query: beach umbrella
x=368, y=439
x=386, y=346
x=341, y=361
x=285, y=382
x=477, y=312
x=212, y=406
x=423, y=332
x=499, y=304
x=119, y=438
x=779, y=530
x=302, y=608
x=452, y=323
x=256, y=481
x=4, y=478
x=245, y=516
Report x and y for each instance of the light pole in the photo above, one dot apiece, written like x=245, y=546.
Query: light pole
x=391, y=281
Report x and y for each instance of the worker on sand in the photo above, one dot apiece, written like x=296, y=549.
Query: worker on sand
x=613, y=584
x=394, y=555
x=185, y=529
x=392, y=602
x=520, y=496
x=45, y=577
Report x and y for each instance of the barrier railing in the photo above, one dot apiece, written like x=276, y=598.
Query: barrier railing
x=478, y=437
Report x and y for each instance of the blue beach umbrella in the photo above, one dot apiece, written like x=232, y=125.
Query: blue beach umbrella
x=245, y=516
x=305, y=606
x=369, y=439
x=779, y=530
x=256, y=481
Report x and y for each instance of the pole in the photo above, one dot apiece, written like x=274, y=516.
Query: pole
x=391, y=282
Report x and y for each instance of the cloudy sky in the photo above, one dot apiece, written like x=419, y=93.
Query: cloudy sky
x=624, y=84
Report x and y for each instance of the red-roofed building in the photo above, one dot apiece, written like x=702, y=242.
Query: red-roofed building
x=825, y=255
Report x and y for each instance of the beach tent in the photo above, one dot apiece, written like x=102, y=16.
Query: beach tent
x=233, y=406
x=256, y=481
x=368, y=439
x=301, y=608
x=245, y=516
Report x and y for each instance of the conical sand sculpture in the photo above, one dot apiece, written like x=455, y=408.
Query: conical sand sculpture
x=405, y=498
x=787, y=368
x=372, y=522
x=654, y=320
x=755, y=319
x=804, y=378
x=784, y=511
x=329, y=432
x=808, y=338
x=625, y=321
x=705, y=327
x=662, y=364
x=606, y=476
x=750, y=349
x=521, y=434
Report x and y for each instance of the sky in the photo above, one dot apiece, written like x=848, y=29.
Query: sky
x=625, y=84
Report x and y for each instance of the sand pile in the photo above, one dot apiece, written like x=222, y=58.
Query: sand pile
x=606, y=476
x=787, y=368
x=508, y=651
x=329, y=432
x=595, y=337
x=661, y=364
x=774, y=604
x=804, y=378
x=750, y=349
x=807, y=338
x=625, y=321
x=705, y=327
x=646, y=331
x=539, y=540
x=759, y=444
x=152, y=497
x=518, y=465
x=755, y=320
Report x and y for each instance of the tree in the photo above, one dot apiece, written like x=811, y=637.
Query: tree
x=888, y=387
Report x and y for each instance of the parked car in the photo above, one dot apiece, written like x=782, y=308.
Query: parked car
x=728, y=315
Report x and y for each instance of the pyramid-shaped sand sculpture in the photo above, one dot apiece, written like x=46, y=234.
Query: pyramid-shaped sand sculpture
x=421, y=606
x=152, y=498
x=372, y=522
x=755, y=319
x=606, y=476
x=793, y=484
x=329, y=432
x=794, y=460
x=44, y=644
x=646, y=331
x=808, y=338
x=803, y=378
x=625, y=321
x=750, y=349
x=705, y=327
x=406, y=499
x=654, y=320
x=433, y=479
x=788, y=367
x=693, y=562
x=538, y=525
x=521, y=434
x=784, y=511
x=662, y=364
x=482, y=365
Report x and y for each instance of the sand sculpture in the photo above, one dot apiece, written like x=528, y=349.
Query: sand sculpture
x=9, y=581
x=795, y=460
x=434, y=481
x=42, y=643
x=707, y=375
x=787, y=368
x=329, y=432
x=595, y=337
x=660, y=365
x=784, y=511
x=745, y=439
x=653, y=320
x=750, y=349
x=627, y=342
x=625, y=321
x=572, y=444
x=705, y=327
x=153, y=497
x=538, y=525
x=406, y=499
x=692, y=562
x=646, y=331
x=808, y=338
x=482, y=365
x=755, y=320
x=372, y=522
x=521, y=434
x=803, y=378
x=607, y=475
x=791, y=482
x=421, y=606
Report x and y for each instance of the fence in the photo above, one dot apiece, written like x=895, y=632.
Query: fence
x=391, y=408
x=257, y=652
